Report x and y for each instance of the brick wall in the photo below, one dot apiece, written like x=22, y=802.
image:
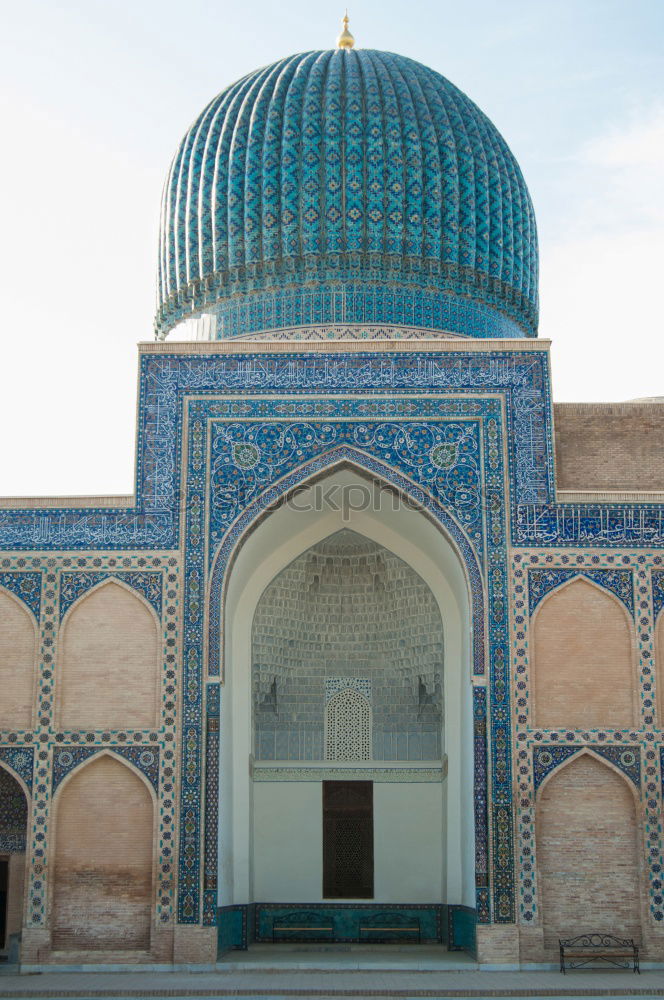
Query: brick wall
x=108, y=663
x=587, y=856
x=609, y=446
x=582, y=666
x=17, y=664
x=102, y=887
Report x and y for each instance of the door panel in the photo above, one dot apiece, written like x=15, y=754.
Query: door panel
x=348, y=865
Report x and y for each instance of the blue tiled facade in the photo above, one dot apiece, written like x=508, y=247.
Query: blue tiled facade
x=466, y=445
x=354, y=188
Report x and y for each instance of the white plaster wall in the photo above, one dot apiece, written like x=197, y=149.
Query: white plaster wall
x=408, y=843
x=288, y=841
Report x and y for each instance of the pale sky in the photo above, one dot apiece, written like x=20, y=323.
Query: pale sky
x=96, y=94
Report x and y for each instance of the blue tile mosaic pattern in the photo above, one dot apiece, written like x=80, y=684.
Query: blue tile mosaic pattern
x=353, y=302
x=542, y=581
x=144, y=758
x=657, y=591
x=481, y=806
x=13, y=814
x=26, y=586
x=213, y=695
x=74, y=585
x=626, y=758
x=537, y=520
x=21, y=760
x=347, y=171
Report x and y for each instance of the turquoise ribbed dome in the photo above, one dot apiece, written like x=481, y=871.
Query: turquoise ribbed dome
x=347, y=185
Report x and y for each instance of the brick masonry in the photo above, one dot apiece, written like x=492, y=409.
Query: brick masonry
x=609, y=446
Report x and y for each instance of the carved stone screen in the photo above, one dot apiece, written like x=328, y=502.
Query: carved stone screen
x=348, y=840
x=348, y=726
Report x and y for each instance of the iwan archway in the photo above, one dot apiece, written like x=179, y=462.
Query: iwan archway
x=271, y=840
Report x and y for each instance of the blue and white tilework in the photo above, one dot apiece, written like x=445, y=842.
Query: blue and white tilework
x=144, y=758
x=617, y=581
x=26, y=586
x=467, y=436
x=74, y=585
x=21, y=761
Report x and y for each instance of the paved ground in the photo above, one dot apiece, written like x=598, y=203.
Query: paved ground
x=254, y=983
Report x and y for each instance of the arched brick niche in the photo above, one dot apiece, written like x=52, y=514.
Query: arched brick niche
x=582, y=667
x=108, y=662
x=102, y=882
x=348, y=612
x=17, y=663
x=587, y=852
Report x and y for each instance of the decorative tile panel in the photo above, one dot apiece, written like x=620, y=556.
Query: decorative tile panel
x=21, y=760
x=542, y=581
x=74, y=585
x=26, y=586
x=657, y=592
x=13, y=815
x=144, y=759
x=626, y=758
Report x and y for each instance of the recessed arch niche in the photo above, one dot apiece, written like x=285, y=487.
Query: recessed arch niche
x=587, y=851
x=583, y=659
x=347, y=621
x=108, y=661
x=18, y=641
x=282, y=536
x=102, y=882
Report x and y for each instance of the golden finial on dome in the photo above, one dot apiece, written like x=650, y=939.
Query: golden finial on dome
x=345, y=39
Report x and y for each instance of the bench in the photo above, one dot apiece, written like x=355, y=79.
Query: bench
x=580, y=951
x=390, y=924
x=301, y=921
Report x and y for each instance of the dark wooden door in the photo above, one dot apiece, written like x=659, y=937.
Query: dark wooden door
x=348, y=866
x=4, y=879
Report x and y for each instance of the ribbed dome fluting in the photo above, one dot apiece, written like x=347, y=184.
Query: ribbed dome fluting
x=349, y=176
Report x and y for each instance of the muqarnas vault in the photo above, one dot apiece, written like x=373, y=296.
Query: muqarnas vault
x=375, y=651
